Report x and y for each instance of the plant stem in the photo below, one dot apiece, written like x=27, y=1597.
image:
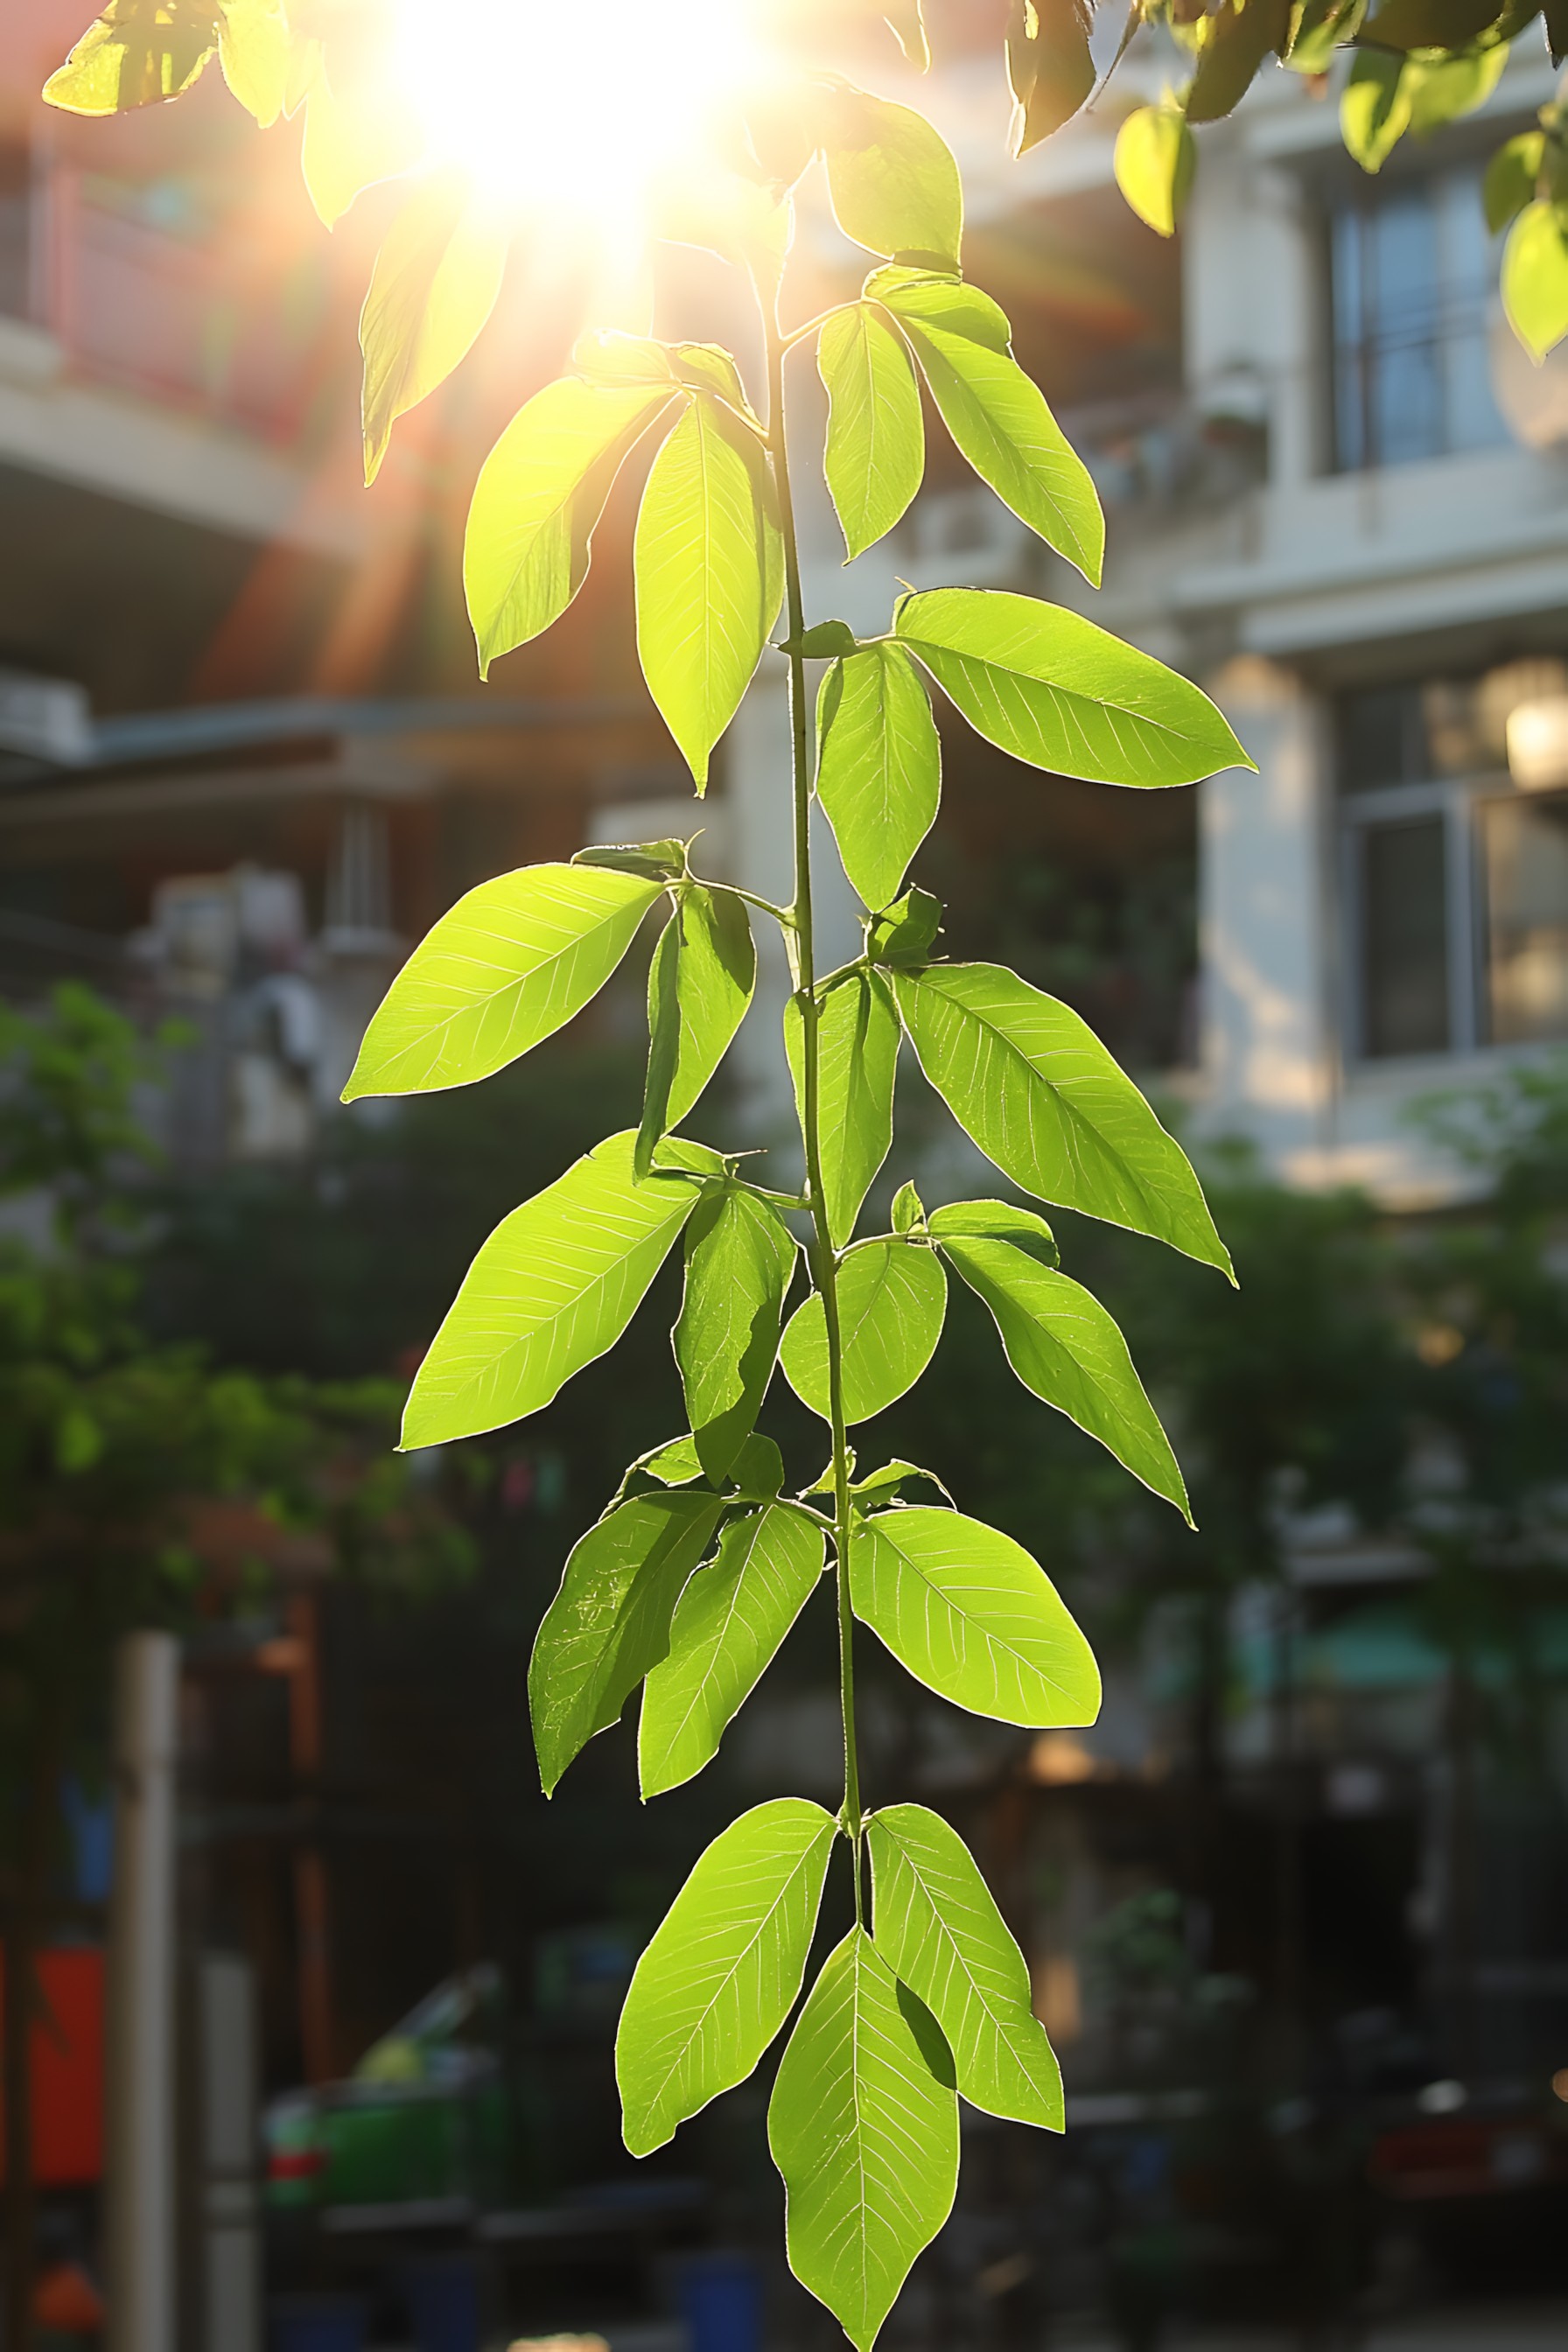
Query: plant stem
x=824, y=1259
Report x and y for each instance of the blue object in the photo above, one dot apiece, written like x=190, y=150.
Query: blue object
x=316, y=2323
x=443, y=2297
x=721, y=2303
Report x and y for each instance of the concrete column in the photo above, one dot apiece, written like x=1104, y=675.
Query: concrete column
x=140, y=2153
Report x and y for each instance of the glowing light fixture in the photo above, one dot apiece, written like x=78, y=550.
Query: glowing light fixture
x=558, y=108
x=1538, y=742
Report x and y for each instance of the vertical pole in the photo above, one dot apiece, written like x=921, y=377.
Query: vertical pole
x=140, y=2004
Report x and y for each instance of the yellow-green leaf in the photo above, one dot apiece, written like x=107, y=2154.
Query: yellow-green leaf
x=349, y=144
x=433, y=287
x=709, y=560
x=540, y=493
x=1154, y=160
x=875, y=453
x=255, y=47
x=136, y=53
x=1535, y=279
x=893, y=181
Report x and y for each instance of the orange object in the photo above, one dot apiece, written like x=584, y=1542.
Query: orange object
x=66, y=2049
x=67, y=2302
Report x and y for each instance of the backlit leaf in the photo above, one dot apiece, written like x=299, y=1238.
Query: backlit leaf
x=255, y=50
x=637, y=359
x=1374, y=105
x=863, y=2126
x=554, y=1286
x=728, y=1626
x=875, y=452
x=892, y=1296
x=1065, y=1347
x=1050, y=688
x=352, y=142
x=907, y=18
x=940, y=1931
x=1444, y=89
x=1238, y=35
x=540, y=493
x=511, y=964
x=1510, y=178
x=1535, y=278
x=1049, y=65
x=858, y=1055
x=136, y=53
x=972, y=1616
x=997, y=416
x=995, y=1220
x=878, y=776
x=709, y=560
x=740, y=1256
x=700, y=983
x=1154, y=158
x=434, y=286
x=894, y=184
x=723, y=1970
x=609, y=1624
x=1033, y=1086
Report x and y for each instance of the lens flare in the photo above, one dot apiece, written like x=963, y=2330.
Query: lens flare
x=560, y=107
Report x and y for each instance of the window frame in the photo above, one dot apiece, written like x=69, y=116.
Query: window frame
x=1457, y=801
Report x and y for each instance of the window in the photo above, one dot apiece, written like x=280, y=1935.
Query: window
x=15, y=231
x=1455, y=880
x=1412, y=270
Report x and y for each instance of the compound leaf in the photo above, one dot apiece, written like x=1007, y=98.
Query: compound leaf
x=433, y=287
x=507, y=966
x=708, y=562
x=728, y=1626
x=540, y=493
x=858, y=1055
x=723, y=1970
x=739, y=1260
x=1065, y=1349
x=1032, y=1084
x=863, y=2126
x=972, y=1616
x=893, y=182
x=997, y=416
x=554, y=1288
x=941, y=1933
x=875, y=453
x=878, y=776
x=1050, y=688
x=610, y=1620
x=892, y=1297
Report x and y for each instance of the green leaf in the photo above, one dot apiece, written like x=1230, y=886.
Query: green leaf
x=907, y=931
x=675, y=1465
x=541, y=491
x=1065, y=1347
x=709, y=560
x=637, y=359
x=1154, y=158
x=827, y=641
x=1050, y=688
x=863, y=2126
x=254, y=50
x=886, y=1484
x=740, y=1256
x=658, y=861
x=1444, y=89
x=892, y=1296
x=1430, y=24
x=506, y=968
x=941, y=1933
x=1374, y=105
x=1535, y=279
x=894, y=184
x=1511, y=180
x=368, y=133
x=609, y=1624
x=701, y=979
x=1319, y=27
x=434, y=286
x=728, y=1626
x=879, y=775
x=876, y=434
x=1238, y=35
x=554, y=1288
x=995, y=1220
x=858, y=1055
x=1032, y=1084
x=1050, y=66
x=723, y=1970
x=996, y=414
x=908, y=1210
x=972, y=1616
x=758, y=1470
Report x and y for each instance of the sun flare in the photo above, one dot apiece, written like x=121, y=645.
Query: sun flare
x=556, y=107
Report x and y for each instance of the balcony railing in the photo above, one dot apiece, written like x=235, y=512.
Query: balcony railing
x=210, y=323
